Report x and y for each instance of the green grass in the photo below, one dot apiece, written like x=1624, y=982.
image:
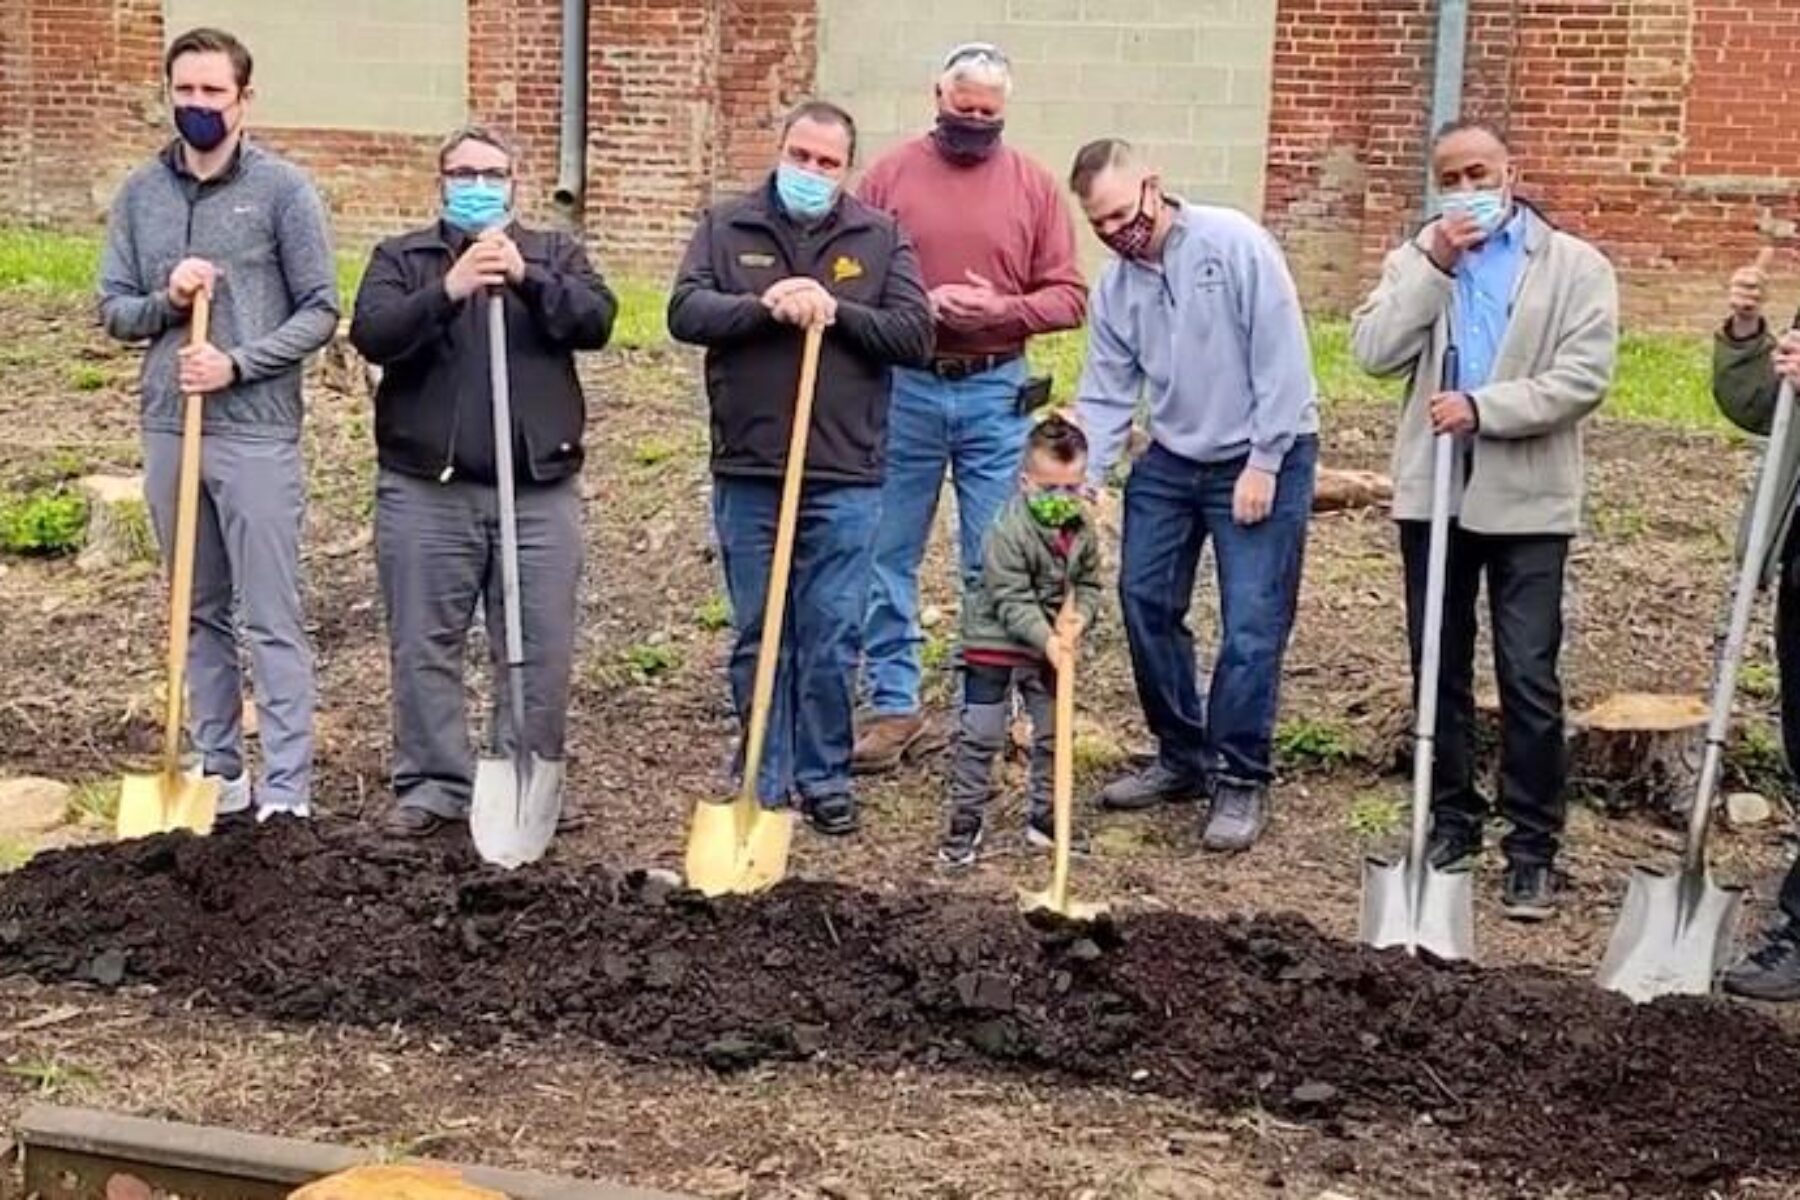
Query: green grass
x=14, y=854
x=647, y=662
x=1373, y=815
x=1302, y=744
x=713, y=614
x=1758, y=681
x=48, y=522
x=95, y=803
x=1661, y=377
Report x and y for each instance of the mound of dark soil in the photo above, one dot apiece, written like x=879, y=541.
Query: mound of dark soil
x=1541, y=1081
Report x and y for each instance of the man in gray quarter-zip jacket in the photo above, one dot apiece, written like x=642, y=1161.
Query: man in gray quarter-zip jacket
x=213, y=213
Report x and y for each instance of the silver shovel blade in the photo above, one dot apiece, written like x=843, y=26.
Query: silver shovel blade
x=1439, y=921
x=1668, y=944
x=515, y=809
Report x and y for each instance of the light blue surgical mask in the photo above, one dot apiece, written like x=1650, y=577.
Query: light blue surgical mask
x=804, y=194
x=474, y=205
x=1488, y=207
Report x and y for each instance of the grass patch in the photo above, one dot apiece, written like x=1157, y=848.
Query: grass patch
x=49, y=1076
x=1373, y=816
x=1303, y=744
x=95, y=803
x=713, y=614
x=87, y=377
x=1755, y=755
x=1759, y=681
x=648, y=662
x=14, y=854
x=41, y=260
x=654, y=451
x=48, y=522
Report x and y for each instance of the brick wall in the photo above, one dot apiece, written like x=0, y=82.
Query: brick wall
x=1651, y=126
x=681, y=94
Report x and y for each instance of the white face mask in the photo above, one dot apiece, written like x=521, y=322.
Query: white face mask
x=1488, y=207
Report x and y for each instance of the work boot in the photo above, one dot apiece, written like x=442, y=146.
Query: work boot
x=407, y=821
x=833, y=816
x=1454, y=846
x=1240, y=813
x=1040, y=834
x=1155, y=784
x=884, y=741
x=1530, y=891
x=1771, y=971
x=962, y=842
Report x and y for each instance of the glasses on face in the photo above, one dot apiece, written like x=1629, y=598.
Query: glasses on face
x=474, y=174
x=977, y=52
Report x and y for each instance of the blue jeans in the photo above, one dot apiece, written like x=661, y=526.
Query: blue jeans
x=811, y=712
x=1172, y=505
x=973, y=427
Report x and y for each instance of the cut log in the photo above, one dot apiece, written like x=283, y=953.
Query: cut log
x=1338, y=490
x=118, y=531
x=1639, y=751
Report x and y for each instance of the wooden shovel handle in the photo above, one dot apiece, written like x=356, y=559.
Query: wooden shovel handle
x=762, y=691
x=187, y=524
x=1063, y=770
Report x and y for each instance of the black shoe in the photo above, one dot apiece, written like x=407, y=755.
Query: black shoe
x=409, y=822
x=1040, y=834
x=1530, y=892
x=1155, y=784
x=1771, y=971
x=1454, y=846
x=833, y=816
x=962, y=843
x=1240, y=813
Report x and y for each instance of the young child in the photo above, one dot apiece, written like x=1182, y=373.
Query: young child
x=1039, y=547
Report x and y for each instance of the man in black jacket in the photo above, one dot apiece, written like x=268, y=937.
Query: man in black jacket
x=794, y=253
x=421, y=315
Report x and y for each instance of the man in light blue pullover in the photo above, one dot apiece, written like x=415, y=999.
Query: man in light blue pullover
x=1201, y=313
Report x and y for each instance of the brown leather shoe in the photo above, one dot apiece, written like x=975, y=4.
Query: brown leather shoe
x=884, y=741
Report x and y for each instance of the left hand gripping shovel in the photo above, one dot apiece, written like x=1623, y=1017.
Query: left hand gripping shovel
x=738, y=845
x=518, y=794
x=1055, y=899
x=1674, y=931
x=1411, y=903
x=173, y=799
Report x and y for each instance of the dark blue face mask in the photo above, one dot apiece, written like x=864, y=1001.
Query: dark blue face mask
x=200, y=127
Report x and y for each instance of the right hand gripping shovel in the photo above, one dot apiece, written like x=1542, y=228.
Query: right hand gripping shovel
x=1411, y=903
x=1674, y=931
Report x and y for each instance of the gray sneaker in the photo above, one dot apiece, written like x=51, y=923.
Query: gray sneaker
x=1240, y=813
x=1153, y=785
x=234, y=794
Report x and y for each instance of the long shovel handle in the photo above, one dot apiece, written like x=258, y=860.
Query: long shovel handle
x=762, y=690
x=1743, y=603
x=501, y=386
x=187, y=527
x=1431, y=650
x=1063, y=773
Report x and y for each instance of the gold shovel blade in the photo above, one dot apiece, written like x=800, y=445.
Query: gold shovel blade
x=1069, y=910
x=163, y=803
x=715, y=850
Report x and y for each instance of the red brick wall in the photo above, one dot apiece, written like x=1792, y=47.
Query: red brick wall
x=682, y=98
x=1623, y=115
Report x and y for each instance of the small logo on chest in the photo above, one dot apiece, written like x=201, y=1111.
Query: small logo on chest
x=845, y=268
x=752, y=258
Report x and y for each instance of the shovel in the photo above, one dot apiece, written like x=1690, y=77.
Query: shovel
x=1412, y=903
x=1674, y=931
x=1055, y=899
x=173, y=799
x=518, y=795
x=738, y=845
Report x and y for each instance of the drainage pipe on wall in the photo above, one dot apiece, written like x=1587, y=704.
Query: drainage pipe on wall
x=571, y=166
x=1447, y=79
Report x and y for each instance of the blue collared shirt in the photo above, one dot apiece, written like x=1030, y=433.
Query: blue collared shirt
x=1214, y=334
x=1486, y=277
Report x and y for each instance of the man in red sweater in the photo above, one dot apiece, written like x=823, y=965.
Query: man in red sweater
x=997, y=248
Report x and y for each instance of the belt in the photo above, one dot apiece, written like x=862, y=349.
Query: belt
x=963, y=367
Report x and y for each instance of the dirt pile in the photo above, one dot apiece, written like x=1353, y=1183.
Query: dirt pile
x=1540, y=1081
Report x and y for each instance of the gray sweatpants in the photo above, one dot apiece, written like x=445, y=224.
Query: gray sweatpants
x=252, y=509
x=986, y=709
x=437, y=547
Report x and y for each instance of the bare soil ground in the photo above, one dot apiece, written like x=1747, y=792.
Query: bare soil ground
x=81, y=664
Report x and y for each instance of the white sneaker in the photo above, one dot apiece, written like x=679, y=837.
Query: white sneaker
x=234, y=794
x=267, y=812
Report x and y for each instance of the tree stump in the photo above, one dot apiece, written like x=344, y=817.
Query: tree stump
x=118, y=531
x=1640, y=751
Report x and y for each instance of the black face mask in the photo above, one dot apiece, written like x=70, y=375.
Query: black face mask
x=201, y=127
x=966, y=140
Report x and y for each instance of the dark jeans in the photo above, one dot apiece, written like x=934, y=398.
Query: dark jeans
x=1787, y=662
x=1525, y=590
x=809, y=740
x=1172, y=506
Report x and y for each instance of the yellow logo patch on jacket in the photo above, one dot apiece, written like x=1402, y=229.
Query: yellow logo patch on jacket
x=844, y=268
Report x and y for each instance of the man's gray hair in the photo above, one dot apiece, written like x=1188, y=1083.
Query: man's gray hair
x=980, y=63
x=487, y=135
